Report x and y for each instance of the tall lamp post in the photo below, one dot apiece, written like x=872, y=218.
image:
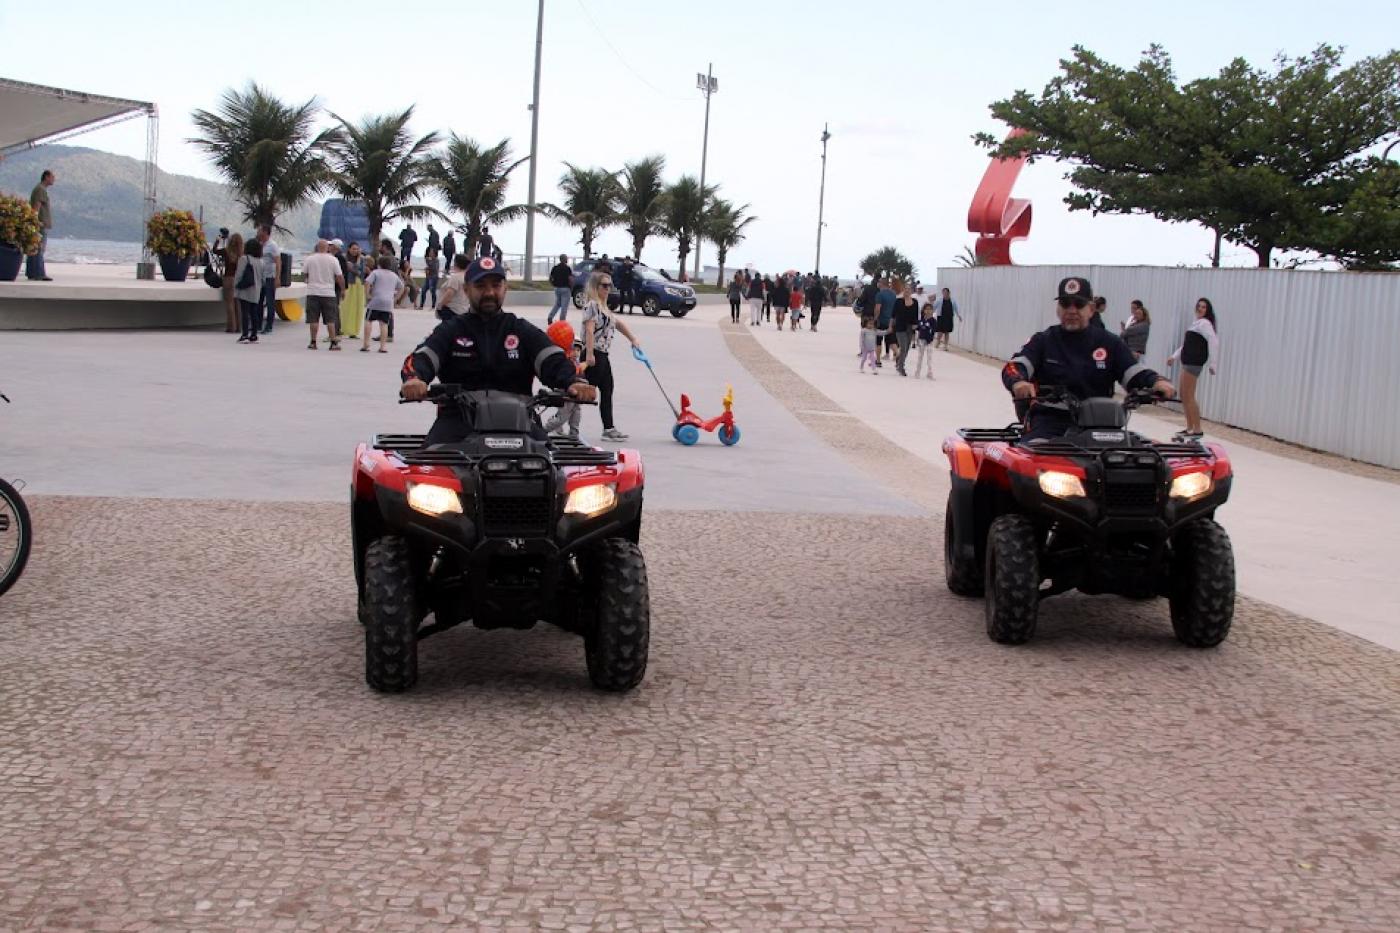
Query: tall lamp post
x=821, y=199
x=534, y=148
x=708, y=84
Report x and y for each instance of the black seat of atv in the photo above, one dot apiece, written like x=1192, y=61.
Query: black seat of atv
x=1101, y=413
x=500, y=412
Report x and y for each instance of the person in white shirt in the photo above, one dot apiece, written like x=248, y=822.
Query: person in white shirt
x=323, y=283
x=1199, y=349
x=453, y=299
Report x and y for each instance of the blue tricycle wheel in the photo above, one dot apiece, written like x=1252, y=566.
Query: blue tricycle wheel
x=729, y=436
x=687, y=434
x=676, y=432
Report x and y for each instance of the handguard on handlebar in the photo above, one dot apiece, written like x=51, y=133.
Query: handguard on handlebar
x=442, y=393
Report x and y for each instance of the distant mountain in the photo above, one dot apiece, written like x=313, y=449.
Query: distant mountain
x=98, y=195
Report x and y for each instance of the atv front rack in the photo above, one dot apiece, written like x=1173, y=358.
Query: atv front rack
x=1060, y=447
x=564, y=451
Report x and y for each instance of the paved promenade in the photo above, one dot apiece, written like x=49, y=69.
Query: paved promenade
x=825, y=739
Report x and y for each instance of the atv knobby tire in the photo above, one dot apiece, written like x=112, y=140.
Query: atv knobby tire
x=617, y=641
x=390, y=616
x=1012, y=580
x=1202, y=584
x=963, y=575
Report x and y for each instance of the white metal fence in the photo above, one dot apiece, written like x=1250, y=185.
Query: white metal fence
x=1307, y=357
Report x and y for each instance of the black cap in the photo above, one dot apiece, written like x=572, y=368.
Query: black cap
x=481, y=268
x=1075, y=287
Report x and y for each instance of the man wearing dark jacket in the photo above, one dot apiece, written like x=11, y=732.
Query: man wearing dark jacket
x=407, y=237
x=561, y=277
x=486, y=348
x=1083, y=359
x=816, y=297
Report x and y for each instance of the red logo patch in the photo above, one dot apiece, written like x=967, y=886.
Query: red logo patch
x=486, y=262
x=512, y=342
x=1072, y=287
x=1100, y=354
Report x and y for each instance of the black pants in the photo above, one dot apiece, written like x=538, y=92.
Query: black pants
x=251, y=315
x=816, y=315
x=767, y=308
x=600, y=374
x=734, y=310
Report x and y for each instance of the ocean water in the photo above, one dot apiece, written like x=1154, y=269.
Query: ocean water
x=93, y=252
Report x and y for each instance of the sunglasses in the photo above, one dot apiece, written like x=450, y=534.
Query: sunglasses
x=605, y=285
x=1079, y=303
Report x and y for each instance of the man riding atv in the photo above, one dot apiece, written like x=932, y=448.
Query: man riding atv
x=486, y=348
x=1087, y=361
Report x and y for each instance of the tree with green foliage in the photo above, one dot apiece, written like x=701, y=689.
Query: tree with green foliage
x=269, y=152
x=683, y=214
x=378, y=163
x=642, y=199
x=968, y=258
x=723, y=225
x=472, y=180
x=1262, y=157
x=591, y=201
x=888, y=262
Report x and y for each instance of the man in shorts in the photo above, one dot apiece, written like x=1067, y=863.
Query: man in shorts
x=324, y=282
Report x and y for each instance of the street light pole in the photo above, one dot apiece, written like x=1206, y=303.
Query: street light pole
x=821, y=200
x=534, y=149
x=707, y=85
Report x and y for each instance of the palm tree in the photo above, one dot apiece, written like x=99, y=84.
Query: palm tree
x=642, y=198
x=473, y=182
x=380, y=165
x=683, y=214
x=968, y=259
x=724, y=227
x=267, y=151
x=888, y=261
x=591, y=198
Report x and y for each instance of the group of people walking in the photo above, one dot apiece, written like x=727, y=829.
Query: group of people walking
x=896, y=317
x=785, y=296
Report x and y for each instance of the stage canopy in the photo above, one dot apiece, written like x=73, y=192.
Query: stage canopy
x=31, y=114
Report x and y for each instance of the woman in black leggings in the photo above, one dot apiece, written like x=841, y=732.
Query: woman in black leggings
x=598, y=329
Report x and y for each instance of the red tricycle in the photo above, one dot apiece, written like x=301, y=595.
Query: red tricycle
x=689, y=424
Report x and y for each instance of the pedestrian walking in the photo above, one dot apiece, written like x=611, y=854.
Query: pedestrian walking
x=598, y=329
x=735, y=295
x=454, y=293
x=324, y=281
x=868, y=344
x=755, y=300
x=34, y=268
x=778, y=299
x=1199, y=350
x=271, y=266
x=233, y=313
x=410, y=292
x=434, y=243
x=767, y=298
x=486, y=244
x=384, y=287
x=816, y=297
x=947, y=311
x=248, y=288
x=561, y=277
x=430, y=277
x=906, y=315
x=925, y=333
x=1136, y=331
x=407, y=237
x=885, y=300
x=449, y=249
x=795, y=299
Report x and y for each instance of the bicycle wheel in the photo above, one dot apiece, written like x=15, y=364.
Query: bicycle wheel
x=16, y=534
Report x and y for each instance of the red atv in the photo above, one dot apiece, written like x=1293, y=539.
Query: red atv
x=505, y=528
x=1101, y=510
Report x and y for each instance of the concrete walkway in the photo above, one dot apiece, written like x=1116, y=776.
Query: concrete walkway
x=1316, y=541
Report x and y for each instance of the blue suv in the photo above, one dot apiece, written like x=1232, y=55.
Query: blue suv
x=655, y=292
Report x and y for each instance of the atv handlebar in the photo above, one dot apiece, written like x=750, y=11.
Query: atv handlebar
x=442, y=393
x=1060, y=395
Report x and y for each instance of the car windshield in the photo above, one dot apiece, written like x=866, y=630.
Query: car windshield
x=651, y=274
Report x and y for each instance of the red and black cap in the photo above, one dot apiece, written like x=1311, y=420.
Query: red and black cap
x=1074, y=288
x=481, y=268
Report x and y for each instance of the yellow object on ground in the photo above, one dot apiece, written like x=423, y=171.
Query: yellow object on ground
x=289, y=309
x=352, y=310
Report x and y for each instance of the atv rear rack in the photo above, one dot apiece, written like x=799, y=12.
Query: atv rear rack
x=1010, y=434
x=564, y=451
x=1059, y=447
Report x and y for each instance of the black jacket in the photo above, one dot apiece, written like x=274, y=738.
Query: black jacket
x=561, y=276
x=490, y=351
x=1086, y=362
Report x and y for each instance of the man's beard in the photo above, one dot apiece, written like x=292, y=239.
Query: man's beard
x=486, y=305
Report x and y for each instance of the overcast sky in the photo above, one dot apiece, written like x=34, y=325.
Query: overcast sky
x=904, y=84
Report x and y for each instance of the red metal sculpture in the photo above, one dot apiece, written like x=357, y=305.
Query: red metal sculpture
x=997, y=217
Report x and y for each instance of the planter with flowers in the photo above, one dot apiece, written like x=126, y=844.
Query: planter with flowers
x=176, y=238
x=19, y=235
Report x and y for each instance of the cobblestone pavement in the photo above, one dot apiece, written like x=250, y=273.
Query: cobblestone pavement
x=189, y=743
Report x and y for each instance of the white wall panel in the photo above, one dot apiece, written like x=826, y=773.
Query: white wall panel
x=1307, y=357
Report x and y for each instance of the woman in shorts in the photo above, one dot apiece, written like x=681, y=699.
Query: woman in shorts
x=1198, y=350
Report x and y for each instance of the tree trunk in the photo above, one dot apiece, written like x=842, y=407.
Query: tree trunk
x=637, y=243
x=723, y=255
x=586, y=238
x=684, y=251
x=1263, y=251
x=1215, y=256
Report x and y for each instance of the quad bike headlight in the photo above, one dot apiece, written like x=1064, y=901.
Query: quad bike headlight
x=1061, y=485
x=589, y=501
x=433, y=500
x=1191, y=486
